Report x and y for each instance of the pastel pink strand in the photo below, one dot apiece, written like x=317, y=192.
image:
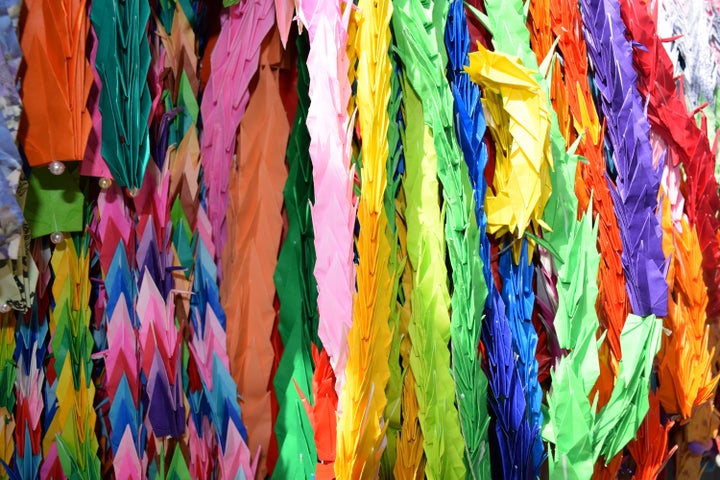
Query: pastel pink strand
x=333, y=213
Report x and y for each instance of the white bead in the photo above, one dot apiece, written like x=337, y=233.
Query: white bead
x=56, y=168
x=133, y=192
x=105, y=182
x=5, y=308
x=57, y=237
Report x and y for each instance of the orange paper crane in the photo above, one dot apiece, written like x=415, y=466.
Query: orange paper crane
x=651, y=443
x=254, y=232
x=685, y=362
x=56, y=82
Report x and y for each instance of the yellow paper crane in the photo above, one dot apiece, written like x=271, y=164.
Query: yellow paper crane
x=518, y=118
x=361, y=428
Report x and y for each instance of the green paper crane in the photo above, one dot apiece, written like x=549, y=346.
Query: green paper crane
x=420, y=30
x=579, y=436
x=297, y=292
